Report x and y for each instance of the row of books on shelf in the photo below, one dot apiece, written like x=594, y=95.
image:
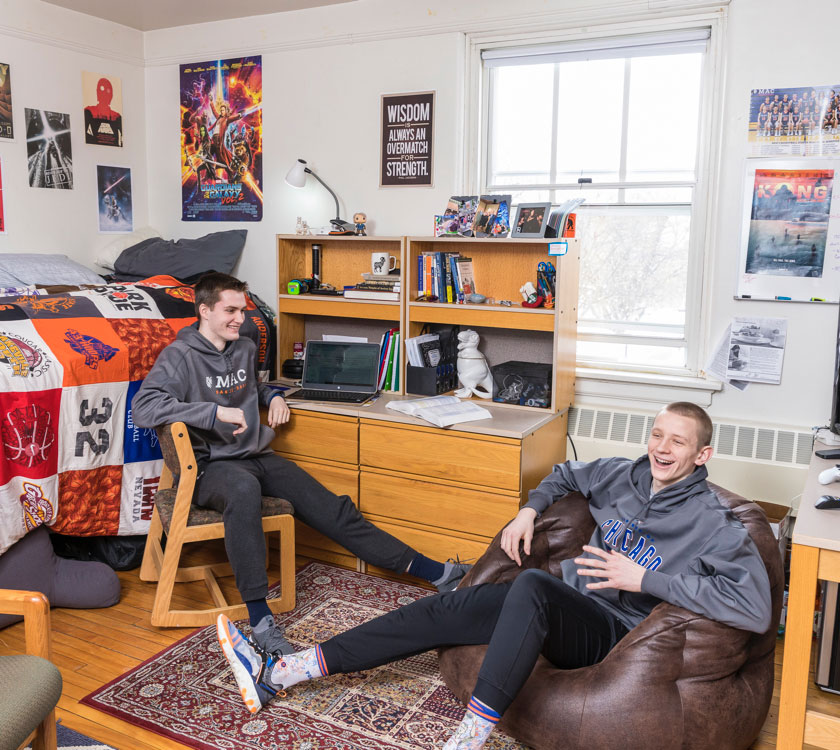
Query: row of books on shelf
x=375, y=287
x=389, y=360
x=447, y=276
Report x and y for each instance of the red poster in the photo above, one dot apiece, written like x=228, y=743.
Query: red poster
x=2, y=215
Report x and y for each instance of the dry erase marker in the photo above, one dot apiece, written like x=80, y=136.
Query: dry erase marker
x=817, y=299
x=786, y=298
x=746, y=296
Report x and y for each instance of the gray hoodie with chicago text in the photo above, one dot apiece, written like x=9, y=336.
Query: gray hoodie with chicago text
x=697, y=554
x=190, y=379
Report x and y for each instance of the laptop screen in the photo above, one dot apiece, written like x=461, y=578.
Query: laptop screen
x=347, y=365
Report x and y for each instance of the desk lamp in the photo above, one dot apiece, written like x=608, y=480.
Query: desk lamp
x=297, y=179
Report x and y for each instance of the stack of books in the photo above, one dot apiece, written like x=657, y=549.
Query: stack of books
x=447, y=276
x=389, y=360
x=374, y=286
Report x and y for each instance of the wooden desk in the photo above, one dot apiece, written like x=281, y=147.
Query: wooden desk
x=445, y=492
x=815, y=555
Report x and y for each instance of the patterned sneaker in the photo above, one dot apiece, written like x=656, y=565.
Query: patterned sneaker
x=250, y=667
x=453, y=573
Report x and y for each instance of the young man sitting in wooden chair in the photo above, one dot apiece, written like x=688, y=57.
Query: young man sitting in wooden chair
x=206, y=378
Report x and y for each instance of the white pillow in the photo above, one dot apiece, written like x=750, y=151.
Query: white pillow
x=108, y=255
x=19, y=269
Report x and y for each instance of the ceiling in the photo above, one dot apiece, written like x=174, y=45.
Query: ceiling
x=147, y=15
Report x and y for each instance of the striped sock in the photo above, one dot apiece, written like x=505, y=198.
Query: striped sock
x=294, y=668
x=475, y=727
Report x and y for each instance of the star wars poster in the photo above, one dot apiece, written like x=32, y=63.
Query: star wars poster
x=102, y=97
x=49, y=156
x=790, y=246
x=797, y=121
x=7, y=129
x=113, y=190
x=221, y=140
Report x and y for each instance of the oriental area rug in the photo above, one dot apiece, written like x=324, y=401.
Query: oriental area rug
x=188, y=693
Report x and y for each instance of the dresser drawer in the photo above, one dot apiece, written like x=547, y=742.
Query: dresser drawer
x=338, y=479
x=437, y=504
x=443, y=455
x=327, y=436
x=434, y=544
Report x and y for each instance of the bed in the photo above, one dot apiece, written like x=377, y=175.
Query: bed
x=71, y=359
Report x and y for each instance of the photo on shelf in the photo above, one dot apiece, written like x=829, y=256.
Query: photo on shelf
x=464, y=207
x=446, y=226
x=492, y=216
x=531, y=219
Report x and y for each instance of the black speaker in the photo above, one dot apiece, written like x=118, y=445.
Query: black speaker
x=293, y=369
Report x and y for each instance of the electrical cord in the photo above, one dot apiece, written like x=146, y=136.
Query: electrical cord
x=574, y=450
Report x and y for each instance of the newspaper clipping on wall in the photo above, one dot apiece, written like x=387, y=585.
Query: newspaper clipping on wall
x=756, y=349
x=795, y=121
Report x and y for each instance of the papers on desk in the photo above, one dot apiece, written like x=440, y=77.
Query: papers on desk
x=441, y=411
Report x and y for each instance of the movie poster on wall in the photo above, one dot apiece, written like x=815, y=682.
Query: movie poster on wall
x=797, y=121
x=102, y=97
x=790, y=238
x=7, y=129
x=2, y=214
x=221, y=140
x=407, y=139
x=113, y=190
x=48, y=150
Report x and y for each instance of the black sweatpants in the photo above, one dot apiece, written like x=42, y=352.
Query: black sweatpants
x=235, y=488
x=535, y=614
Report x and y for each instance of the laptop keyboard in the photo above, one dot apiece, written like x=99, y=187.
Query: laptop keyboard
x=316, y=395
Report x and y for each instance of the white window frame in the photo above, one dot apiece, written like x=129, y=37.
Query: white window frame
x=705, y=198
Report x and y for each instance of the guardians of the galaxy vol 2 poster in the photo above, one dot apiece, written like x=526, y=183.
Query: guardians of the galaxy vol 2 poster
x=221, y=140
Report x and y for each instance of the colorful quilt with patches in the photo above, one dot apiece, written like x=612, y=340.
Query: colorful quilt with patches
x=70, y=364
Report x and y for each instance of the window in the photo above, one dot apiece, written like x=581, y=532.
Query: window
x=616, y=121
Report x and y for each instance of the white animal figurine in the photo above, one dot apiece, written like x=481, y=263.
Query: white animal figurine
x=473, y=371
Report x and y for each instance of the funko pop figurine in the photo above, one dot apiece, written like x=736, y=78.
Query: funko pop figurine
x=359, y=220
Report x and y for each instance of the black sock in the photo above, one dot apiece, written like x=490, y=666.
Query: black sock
x=257, y=609
x=422, y=567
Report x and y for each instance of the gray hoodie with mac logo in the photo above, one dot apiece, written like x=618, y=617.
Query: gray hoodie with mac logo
x=190, y=379
x=697, y=554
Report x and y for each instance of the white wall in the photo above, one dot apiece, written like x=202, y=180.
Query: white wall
x=324, y=71
x=48, y=48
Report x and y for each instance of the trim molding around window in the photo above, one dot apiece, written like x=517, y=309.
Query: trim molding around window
x=567, y=41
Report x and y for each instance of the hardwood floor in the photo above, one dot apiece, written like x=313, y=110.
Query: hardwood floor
x=92, y=647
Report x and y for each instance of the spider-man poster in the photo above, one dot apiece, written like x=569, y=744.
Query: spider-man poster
x=221, y=140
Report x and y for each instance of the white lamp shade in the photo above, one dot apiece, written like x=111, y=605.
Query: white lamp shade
x=297, y=174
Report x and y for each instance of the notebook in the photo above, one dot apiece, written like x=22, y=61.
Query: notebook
x=339, y=371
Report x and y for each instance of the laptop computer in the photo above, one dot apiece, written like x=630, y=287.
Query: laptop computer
x=339, y=371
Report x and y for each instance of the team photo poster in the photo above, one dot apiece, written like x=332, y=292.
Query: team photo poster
x=221, y=140
x=795, y=122
x=790, y=245
x=48, y=150
x=102, y=97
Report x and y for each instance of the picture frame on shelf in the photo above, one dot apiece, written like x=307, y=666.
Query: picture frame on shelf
x=492, y=216
x=531, y=219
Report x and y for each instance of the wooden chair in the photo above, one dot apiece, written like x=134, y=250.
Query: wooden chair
x=30, y=685
x=175, y=516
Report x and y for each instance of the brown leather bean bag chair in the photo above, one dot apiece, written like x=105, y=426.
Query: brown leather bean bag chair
x=677, y=680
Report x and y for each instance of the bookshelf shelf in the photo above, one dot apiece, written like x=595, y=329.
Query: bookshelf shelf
x=489, y=316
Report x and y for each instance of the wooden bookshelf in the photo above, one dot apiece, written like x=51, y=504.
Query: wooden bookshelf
x=500, y=267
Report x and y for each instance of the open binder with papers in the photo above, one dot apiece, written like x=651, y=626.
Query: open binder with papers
x=441, y=411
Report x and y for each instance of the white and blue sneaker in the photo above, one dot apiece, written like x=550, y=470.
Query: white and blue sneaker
x=251, y=667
